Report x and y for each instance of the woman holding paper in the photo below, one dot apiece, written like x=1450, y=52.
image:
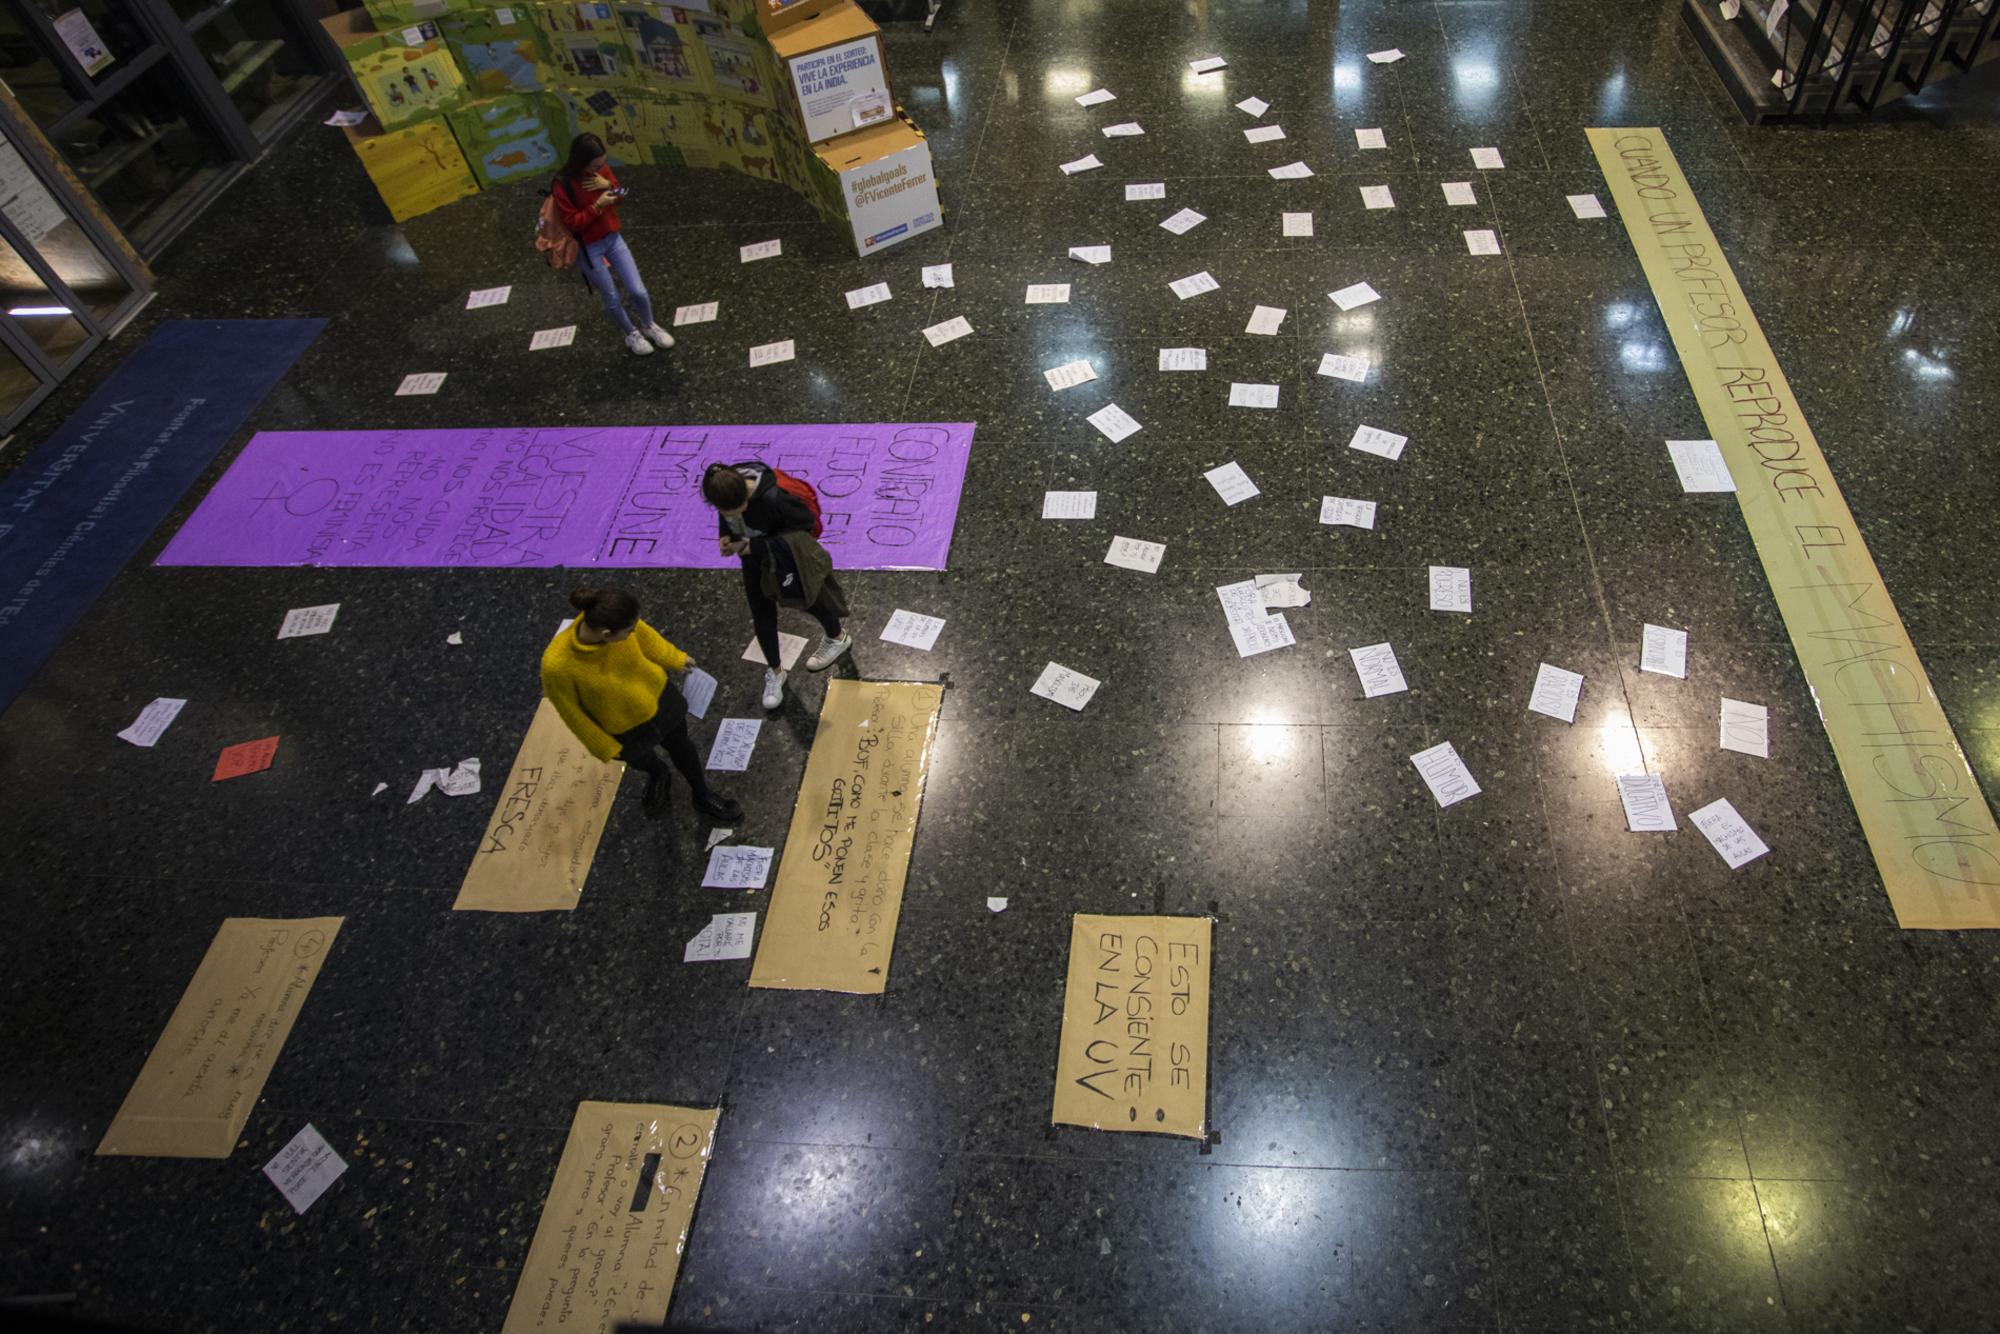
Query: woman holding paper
x=586, y=197
x=606, y=673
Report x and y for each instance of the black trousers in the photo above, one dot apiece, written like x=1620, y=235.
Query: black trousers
x=665, y=730
x=764, y=613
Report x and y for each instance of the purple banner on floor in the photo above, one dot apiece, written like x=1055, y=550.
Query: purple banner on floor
x=618, y=497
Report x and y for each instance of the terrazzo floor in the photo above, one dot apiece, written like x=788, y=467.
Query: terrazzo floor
x=1503, y=1066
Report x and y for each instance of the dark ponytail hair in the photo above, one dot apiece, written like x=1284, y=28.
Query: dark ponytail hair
x=724, y=487
x=608, y=608
x=583, y=150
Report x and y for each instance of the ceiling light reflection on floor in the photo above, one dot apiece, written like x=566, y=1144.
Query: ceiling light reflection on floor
x=1270, y=739
x=1065, y=81
x=1648, y=358
x=1926, y=368
x=31, y=1148
x=1475, y=84
x=1618, y=741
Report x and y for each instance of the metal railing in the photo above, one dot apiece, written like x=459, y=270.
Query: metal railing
x=1837, y=56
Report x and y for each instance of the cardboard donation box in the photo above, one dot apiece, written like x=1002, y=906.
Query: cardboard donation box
x=416, y=167
x=774, y=16
x=403, y=75
x=834, y=72
x=884, y=183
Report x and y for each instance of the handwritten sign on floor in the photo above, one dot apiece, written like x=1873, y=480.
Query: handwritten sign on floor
x=587, y=497
x=1134, y=1052
x=205, y=1073
x=537, y=848
x=615, y=1224
x=832, y=920
x=1935, y=839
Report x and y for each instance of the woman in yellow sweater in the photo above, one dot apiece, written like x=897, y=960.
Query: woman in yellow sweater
x=606, y=673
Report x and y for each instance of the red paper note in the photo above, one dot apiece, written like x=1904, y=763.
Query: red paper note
x=245, y=757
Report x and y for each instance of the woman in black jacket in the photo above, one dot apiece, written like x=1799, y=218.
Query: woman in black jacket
x=767, y=527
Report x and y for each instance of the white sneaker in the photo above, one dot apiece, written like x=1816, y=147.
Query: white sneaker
x=774, y=689
x=637, y=342
x=829, y=652
x=660, y=337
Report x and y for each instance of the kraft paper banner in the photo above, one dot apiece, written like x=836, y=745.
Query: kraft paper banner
x=615, y=1225
x=205, y=1073
x=1931, y=831
x=1134, y=1050
x=619, y=497
x=832, y=919
x=537, y=848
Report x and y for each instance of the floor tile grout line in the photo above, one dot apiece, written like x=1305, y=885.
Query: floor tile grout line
x=999, y=80
x=1569, y=477
x=1716, y=1040
x=1708, y=70
x=1195, y=1158
x=318, y=1114
x=1604, y=613
x=971, y=179
x=1770, y=1245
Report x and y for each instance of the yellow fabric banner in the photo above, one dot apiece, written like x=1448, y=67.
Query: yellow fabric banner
x=537, y=848
x=615, y=1224
x=832, y=920
x=1134, y=1053
x=205, y=1073
x=1927, y=823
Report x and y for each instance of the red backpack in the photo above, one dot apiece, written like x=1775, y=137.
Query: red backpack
x=801, y=490
x=554, y=242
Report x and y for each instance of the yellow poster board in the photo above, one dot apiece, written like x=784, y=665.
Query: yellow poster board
x=615, y=1224
x=1134, y=1052
x=832, y=920
x=537, y=848
x=416, y=167
x=1930, y=829
x=207, y=1069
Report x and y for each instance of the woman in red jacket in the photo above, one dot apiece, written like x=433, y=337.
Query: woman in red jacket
x=587, y=195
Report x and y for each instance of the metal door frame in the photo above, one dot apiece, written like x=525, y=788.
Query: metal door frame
x=173, y=42
x=28, y=142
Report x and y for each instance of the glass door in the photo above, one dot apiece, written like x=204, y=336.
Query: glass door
x=106, y=93
x=42, y=332
x=21, y=385
x=63, y=287
x=259, y=53
x=158, y=104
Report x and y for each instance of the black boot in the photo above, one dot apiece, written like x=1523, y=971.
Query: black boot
x=718, y=807
x=658, y=785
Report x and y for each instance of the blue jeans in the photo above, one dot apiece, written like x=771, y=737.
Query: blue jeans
x=599, y=260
